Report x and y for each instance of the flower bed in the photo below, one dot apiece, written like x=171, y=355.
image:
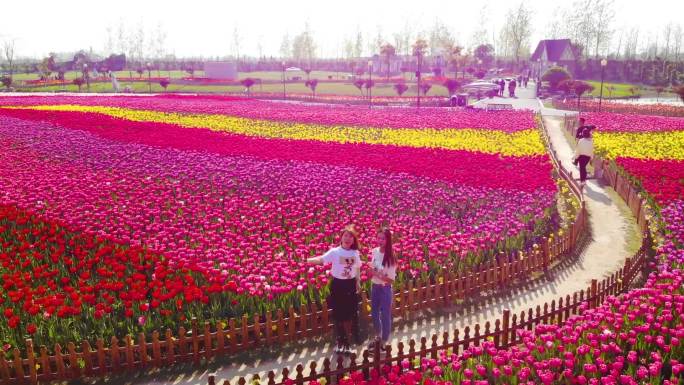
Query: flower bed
x=635, y=338
x=622, y=108
x=127, y=214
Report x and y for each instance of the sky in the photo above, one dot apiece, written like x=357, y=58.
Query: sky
x=205, y=27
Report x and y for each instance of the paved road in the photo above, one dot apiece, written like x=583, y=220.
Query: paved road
x=612, y=240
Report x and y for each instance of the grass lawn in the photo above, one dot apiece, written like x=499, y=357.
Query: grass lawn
x=264, y=75
x=299, y=88
x=614, y=90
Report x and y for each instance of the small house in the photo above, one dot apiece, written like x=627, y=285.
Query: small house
x=553, y=53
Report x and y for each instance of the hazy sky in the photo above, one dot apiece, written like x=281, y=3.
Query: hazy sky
x=205, y=27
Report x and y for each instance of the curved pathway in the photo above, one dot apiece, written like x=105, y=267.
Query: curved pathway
x=614, y=236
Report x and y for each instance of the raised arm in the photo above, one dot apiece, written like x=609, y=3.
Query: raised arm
x=316, y=260
x=320, y=260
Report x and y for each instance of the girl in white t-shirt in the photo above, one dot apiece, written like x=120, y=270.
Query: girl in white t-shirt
x=344, y=300
x=384, y=272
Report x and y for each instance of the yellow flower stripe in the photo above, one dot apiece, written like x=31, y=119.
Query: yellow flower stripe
x=526, y=142
x=652, y=145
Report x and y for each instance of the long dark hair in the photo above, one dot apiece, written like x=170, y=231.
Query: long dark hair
x=351, y=230
x=388, y=259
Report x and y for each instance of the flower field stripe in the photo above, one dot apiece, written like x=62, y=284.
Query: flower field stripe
x=652, y=145
x=619, y=122
x=338, y=115
x=526, y=142
x=663, y=179
x=519, y=173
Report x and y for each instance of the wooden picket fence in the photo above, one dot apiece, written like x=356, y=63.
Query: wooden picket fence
x=503, y=332
x=204, y=341
x=498, y=274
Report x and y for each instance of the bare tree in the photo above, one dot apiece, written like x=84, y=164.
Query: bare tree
x=481, y=34
x=349, y=48
x=632, y=43
x=109, y=44
x=402, y=39
x=518, y=30
x=237, y=41
x=157, y=43
x=618, y=49
x=668, y=34
x=134, y=43
x=440, y=38
x=603, y=14
x=578, y=24
x=555, y=25
x=358, y=43
x=378, y=41
x=387, y=50
x=677, y=44
x=303, y=46
x=121, y=43
x=286, y=47
x=8, y=53
x=260, y=46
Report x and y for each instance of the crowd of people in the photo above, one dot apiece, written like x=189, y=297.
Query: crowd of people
x=513, y=83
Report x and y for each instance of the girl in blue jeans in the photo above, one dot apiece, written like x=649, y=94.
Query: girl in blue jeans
x=384, y=272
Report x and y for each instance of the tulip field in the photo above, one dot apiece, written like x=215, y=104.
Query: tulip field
x=636, y=338
x=661, y=109
x=128, y=214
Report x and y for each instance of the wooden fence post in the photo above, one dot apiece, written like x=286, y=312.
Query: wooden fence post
x=626, y=274
x=505, y=327
x=18, y=366
x=594, y=293
x=33, y=376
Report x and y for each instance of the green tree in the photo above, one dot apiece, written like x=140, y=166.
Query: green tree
x=312, y=84
x=419, y=48
x=6, y=81
x=555, y=75
x=387, y=50
x=452, y=85
x=400, y=88
x=454, y=53
x=484, y=53
x=358, y=83
x=79, y=83
x=248, y=83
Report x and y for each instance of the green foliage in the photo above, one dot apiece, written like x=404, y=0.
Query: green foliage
x=452, y=85
x=679, y=91
x=555, y=75
x=400, y=88
x=6, y=81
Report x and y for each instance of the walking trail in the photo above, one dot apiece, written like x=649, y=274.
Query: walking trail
x=613, y=237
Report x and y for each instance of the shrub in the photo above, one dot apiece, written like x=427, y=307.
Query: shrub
x=555, y=75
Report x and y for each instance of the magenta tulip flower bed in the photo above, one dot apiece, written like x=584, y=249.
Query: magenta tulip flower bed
x=122, y=220
x=636, y=338
x=622, y=107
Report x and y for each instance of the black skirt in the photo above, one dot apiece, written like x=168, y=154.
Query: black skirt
x=343, y=299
